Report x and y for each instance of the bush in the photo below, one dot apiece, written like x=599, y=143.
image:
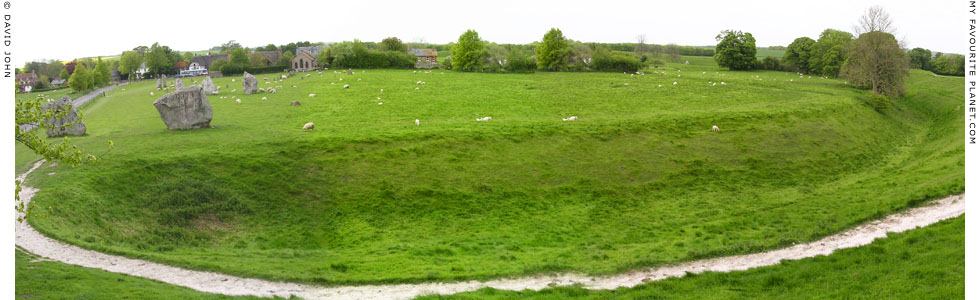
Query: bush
x=769, y=63
x=879, y=102
x=519, y=61
x=614, y=61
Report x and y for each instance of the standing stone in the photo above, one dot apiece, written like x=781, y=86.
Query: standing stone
x=179, y=83
x=162, y=82
x=60, y=106
x=249, y=83
x=187, y=108
x=208, y=86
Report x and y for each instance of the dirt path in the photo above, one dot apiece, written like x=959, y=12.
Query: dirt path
x=34, y=242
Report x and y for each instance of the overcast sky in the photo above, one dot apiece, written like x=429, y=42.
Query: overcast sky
x=45, y=29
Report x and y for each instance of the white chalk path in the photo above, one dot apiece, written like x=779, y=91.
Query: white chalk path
x=34, y=242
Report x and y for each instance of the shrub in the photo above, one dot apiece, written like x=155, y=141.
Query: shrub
x=879, y=102
x=605, y=60
x=519, y=61
x=769, y=63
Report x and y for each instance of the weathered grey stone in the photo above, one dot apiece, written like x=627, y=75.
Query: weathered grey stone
x=162, y=82
x=208, y=86
x=249, y=83
x=187, y=108
x=61, y=106
x=179, y=83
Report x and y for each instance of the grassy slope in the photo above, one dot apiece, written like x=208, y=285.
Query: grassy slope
x=39, y=279
x=925, y=263
x=369, y=197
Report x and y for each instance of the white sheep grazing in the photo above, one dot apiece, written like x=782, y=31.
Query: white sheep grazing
x=713, y=84
x=158, y=89
x=234, y=90
x=715, y=128
x=418, y=82
x=382, y=90
x=379, y=98
x=572, y=118
x=659, y=85
x=239, y=101
x=722, y=83
x=340, y=79
x=233, y=80
x=333, y=83
x=358, y=79
x=416, y=122
x=308, y=126
x=312, y=95
x=272, y=91
x=675, y=82
x=416, y=89
x=626, y=84
x=346, y=86
x=282, y=76
x=261, y=90
x=294, y=86
x=268, y=82
x=264, y=98
x=702, y=73
x=483, y=119
x=151, y=93
x=413, y=72
x=278, y=86
x=380, y=103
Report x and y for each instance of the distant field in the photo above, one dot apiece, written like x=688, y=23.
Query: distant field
x=368, y=197
x=763, y=52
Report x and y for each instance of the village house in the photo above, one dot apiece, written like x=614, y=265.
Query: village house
x=25, y=80
x=203, y=62
x=58, y=83
x=425, y=58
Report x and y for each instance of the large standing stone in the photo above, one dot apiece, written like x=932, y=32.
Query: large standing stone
x=162, y=82
x=179, y=83
x=187, y=108
x=208, y=86
x=249, y=83
x=61, y=106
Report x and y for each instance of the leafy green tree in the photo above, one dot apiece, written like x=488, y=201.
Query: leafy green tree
x=218, y=64
x=129, y=62
x=798, y=53
x=101, y=76
x=81, y=79
x=948, y=64
x=286, y=58
x=919, y=58
x=735, y=50
x=187, y=56
x=876, y=61
x=64, y=74
x=160, y=59
x=392, y=44
x=828, y=53
x=324, y=59
x=229, y=46
x=469, y=52
x=238, y=57
x=553, y=52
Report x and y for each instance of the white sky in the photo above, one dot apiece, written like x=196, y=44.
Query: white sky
x=46, y=29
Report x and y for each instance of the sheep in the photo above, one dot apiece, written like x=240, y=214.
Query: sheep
x=722, y=83
x=675, y=82
x=659, y=85
x=282, y=76
x=416, y=122
x=333, y=83
x=380, y=103
x=151, y=93
x=340, y=79
x=272, y=91
x=418, y=82
x=346, y=86
x=413, y=72
x=416, y=89
x=268, y=82
x=382, y=90
x=294, y=86
x=358, y=79
x=234, y=90
x=159, y=89
x=713, y=84
x=626, y=84
x=702, y=73
x=312, y=95
x=308, y=126
x=715, y=128
x=264, y=98
x=379, y=98
x=233, y=80
x=483, y=119
x=239, y=101
x=278, y=86
x=261, y=90
x=572, y=118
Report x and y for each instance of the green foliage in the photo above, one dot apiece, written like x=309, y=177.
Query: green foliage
x=393, y=44
x=287, y=58
x=920, y=58
x=519, y=60
x=43, y=82
x=129, y=62
x=948, y=64
x=770, y=63
x=552, y=53
x=356, y=55
x=469, y=52
x=879, y=102
x=219, y=64
x=876, y=61
x=101, y=76
x=735, y=50
x=605, y=60
x=828, y=54
x=161, y=59
x=63, y=74
x=49, y=68
x=798, y=54
x=82, y=79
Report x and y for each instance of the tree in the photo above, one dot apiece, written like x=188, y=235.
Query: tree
x=187, y=56
x=798, y=53
x=735, y=50
x=553, y=51
x=874, y=19
x=101, y=76
x=129, y=62
x=828, y=54
x=641, y=44
x=238, y=57
x=64, y=74
x=919, y=58
x=286, y=58
x=469, y=51
x=160, y=59
x=392, y=44
x=81, y=79
x=256, y=59
x=876, y=61
x=229, y=46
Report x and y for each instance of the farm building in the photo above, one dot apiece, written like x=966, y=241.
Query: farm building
x=304, y=61
x=426, y=58
x=58, y=83
x=25, y=80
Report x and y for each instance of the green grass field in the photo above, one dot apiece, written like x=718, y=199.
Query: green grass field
x=925, y=263
x=368, y=197
x=43, y=279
